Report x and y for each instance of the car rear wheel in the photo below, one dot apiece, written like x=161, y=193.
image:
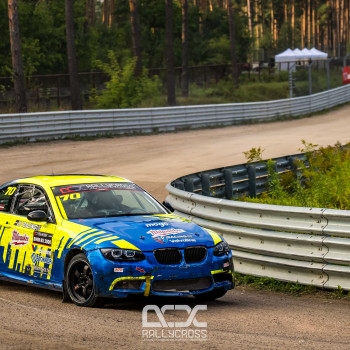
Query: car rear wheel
x=212, y=295
x=79, y=282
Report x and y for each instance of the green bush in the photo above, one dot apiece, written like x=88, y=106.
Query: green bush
x=125, y=89
x=324, y=184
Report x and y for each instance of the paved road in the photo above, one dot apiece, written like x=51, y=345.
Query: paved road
x=243, y=319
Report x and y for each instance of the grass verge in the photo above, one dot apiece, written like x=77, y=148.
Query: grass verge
x=295, y=289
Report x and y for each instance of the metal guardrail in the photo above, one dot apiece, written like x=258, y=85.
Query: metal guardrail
x=310, y=246
x=51, y=125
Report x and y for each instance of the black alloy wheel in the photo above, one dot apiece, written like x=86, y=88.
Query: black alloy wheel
x=79, y=282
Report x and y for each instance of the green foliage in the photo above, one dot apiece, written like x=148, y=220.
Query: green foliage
x=31, y=56
x=219, y=50
x=124, y=90
x=324, y=184
x=254, y=155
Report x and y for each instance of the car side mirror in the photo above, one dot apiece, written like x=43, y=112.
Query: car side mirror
x=168, y=206
x=37, y=215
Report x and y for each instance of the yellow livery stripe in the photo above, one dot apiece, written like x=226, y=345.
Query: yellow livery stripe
x=99, y=233
x=80, y=235
x=98, y=238
x=106, y=239
x=121, y=243
x=216, y=238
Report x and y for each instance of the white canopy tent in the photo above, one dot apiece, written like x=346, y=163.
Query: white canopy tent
x=288, y=58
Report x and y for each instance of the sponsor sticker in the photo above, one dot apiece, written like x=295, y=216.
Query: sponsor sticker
x=29, y=225
x=40, y=269
x=2, y=207
x=175, y=239
x=140, y=269
x=62, y=190
x=118, y=269
x=42, y=238
x=226, y=264
x=166, y=232
x=37, y=258
x=19, y=240
x=42, y=251
x=157, y=224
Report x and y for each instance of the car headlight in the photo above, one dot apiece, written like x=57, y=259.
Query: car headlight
x=123, y=254
x=221, y=249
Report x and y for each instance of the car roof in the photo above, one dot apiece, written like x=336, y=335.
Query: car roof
x=61, y=180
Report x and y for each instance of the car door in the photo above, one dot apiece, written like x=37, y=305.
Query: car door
x=31, y=241
x=7, y=194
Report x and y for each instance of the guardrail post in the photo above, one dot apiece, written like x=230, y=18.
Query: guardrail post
x=251, y=180
x=310, y=77
x=189, y=186
x=291, y=80
x=205, y=179
x=179, y=184
x=293, y=166
x=228, y=183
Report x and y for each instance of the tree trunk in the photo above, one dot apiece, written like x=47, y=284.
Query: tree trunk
x=136, y=35
x=184, y=72
x=72, y=59
x=309, y=24
x=334, y=27
x=232, y=42
x=170, y=54
x=106, y=13
x=293, y=24
x=314, y=29
x=272, y=25
x=249, y=12
x=89, y=14
x=286, y=12
x=262, y=18
x=338, y=28
x=17, y=64
x=257, y=31
x=111, y=12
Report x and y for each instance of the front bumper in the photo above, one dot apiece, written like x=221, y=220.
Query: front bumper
x=148, y=277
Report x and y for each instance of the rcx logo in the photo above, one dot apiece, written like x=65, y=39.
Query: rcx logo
x=172, y=331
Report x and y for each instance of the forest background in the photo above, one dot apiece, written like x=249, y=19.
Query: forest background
x=123, y=37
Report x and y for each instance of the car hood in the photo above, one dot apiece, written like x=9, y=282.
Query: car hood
x=147, y=232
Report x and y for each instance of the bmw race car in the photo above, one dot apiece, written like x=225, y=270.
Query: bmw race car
x=96, y=237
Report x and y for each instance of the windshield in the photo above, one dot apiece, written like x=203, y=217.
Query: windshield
x=98, y=200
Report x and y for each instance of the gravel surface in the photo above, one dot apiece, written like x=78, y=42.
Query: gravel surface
x=244, y=318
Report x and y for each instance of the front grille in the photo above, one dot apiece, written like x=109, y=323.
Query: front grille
x=195, y=254
x=168, y=256
x=186, y=285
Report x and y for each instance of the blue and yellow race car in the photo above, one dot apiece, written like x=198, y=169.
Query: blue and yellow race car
x=96, y=237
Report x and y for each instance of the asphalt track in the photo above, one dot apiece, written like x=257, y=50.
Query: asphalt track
x=244, y=318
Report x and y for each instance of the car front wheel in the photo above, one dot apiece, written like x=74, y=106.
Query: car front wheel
x=79, y=282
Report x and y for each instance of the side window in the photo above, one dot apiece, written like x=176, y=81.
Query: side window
x=30, y=198
x=6, y=196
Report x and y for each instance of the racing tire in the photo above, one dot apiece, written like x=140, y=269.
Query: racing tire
x=79, y=282
x=212, y=295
